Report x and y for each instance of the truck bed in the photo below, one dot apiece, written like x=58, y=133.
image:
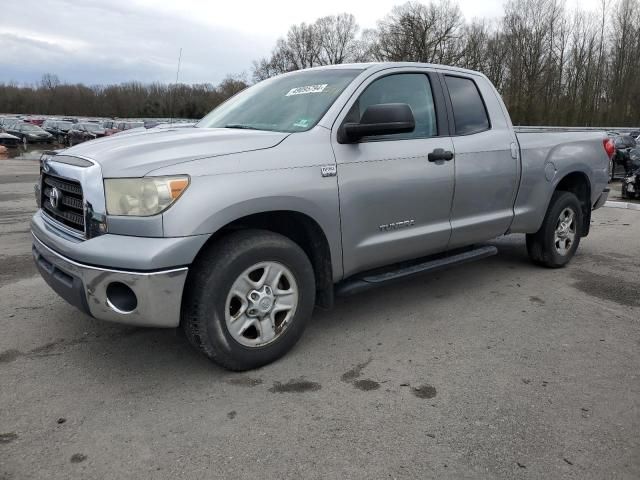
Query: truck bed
x=552, y=153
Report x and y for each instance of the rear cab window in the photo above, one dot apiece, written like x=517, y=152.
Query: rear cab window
x=469, y=111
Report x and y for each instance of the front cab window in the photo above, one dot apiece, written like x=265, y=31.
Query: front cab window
x=413, y=89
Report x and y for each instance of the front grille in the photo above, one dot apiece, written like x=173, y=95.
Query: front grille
x=69, y=209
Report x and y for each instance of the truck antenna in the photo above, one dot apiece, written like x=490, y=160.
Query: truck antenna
x=172, y=94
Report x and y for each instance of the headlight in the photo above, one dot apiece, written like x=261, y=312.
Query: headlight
x=143, y=197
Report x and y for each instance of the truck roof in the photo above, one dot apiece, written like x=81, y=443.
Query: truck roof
x=377, y=66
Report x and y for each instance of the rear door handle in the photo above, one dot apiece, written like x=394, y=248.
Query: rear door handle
x=440, y=154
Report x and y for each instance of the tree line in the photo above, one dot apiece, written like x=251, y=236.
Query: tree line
x=552, y=66
x=129, y=100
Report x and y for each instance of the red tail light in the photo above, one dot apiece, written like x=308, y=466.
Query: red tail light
x=609, y=147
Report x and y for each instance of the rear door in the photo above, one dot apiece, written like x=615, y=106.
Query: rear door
x=486, y=161
x=394, y=202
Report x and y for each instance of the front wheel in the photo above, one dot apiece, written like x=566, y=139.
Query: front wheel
x=248, y=299
x=557, y=240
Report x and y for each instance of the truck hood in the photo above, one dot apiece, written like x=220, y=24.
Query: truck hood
x=137, y=154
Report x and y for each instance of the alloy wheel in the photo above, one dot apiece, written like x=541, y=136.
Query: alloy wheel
x=261, y=303
x=565, y=233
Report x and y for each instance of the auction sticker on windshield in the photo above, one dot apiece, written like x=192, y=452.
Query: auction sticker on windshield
x=302, y=123
x=307, y=89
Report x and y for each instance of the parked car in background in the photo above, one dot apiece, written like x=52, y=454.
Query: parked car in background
x=122, y=126
x=8, y=140
x=631, y=182
x=119, y=126
x=29, y=133
x=81, y=132
x=620, y=161
x=58, y=128
x=9, y=122
x=133, y=124
x=110, y=126
x=35, y=121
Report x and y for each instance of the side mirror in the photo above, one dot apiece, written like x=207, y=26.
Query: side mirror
x=381, y=119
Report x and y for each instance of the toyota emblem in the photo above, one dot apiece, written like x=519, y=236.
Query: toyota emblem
x=54, y=197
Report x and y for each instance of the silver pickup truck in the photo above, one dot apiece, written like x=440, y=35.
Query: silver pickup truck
x=315, y=183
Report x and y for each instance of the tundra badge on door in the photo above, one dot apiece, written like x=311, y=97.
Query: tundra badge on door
x=397, y=225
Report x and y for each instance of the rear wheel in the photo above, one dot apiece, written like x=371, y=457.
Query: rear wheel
x=557, y=240
x=248, y=299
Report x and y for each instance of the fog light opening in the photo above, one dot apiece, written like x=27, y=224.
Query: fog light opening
x=121, y=298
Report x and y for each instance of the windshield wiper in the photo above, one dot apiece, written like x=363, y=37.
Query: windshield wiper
x=241, y=126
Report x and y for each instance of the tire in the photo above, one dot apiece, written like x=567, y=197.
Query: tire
x=209, y=303
x=544, y=247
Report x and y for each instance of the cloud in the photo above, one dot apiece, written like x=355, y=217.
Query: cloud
x=107, y=41
x=99, y=42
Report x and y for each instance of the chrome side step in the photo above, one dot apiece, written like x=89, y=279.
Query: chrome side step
x=376, y=278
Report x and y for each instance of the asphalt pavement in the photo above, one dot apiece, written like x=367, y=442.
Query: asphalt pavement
x=494, y=369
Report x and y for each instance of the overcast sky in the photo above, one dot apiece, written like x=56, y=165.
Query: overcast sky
x=112, y=41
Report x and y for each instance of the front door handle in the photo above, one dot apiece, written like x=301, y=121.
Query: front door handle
x=440, y=154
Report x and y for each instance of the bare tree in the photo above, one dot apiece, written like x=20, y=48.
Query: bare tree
x=49, y=81
x=337, y=39
x=421, y=33
x=329, y=40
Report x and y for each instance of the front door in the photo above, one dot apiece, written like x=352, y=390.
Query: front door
x=394, y=202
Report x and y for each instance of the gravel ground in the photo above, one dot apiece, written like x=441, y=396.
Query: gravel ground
x=495, y=369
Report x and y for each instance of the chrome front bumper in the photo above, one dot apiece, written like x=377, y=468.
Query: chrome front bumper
x=99, y=291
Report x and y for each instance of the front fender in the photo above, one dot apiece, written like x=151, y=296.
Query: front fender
x=213, y=201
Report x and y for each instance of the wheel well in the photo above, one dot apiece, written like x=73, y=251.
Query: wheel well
x=578, y=184
x=302, y=230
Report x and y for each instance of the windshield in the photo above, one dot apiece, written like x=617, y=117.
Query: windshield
x=287, y=103
x=27, y=127
x=64, y=125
